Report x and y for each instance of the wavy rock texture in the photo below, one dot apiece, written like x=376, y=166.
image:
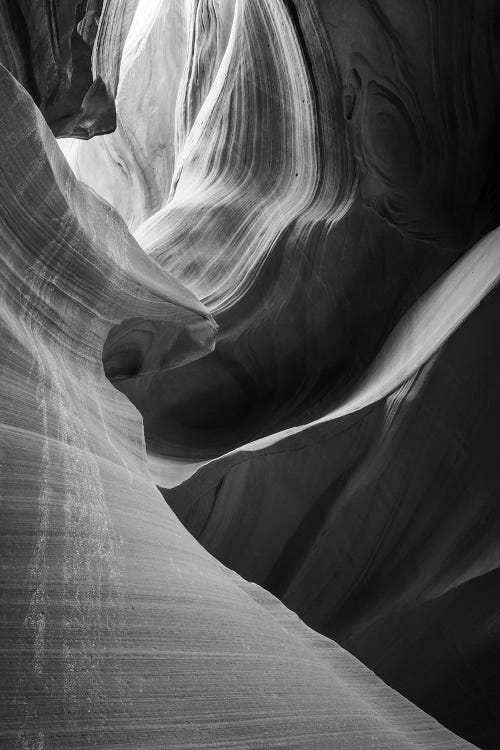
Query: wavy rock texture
x=376, y=175
x=171, y=55
x=422, y=106
x=118, y=629
x=272, y=233
x=322, y=177
x=132, y=167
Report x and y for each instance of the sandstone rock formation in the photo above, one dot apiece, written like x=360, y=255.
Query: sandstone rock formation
x=118, y=629
x=66, y=59
x=311, y=345
x=282, y=236
x=380, y=529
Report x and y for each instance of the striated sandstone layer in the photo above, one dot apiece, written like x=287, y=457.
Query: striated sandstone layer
x=330, y=170
x=308, y=244
x=314, y=334
x=117, y=628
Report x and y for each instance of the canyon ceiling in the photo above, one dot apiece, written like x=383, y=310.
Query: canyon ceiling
x=249, y=394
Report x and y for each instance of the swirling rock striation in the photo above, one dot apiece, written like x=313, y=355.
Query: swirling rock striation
x=421, y=101
x=310, y=243
x=118, y=629
x=380, y=162
x=376, y=177
x=316, y=176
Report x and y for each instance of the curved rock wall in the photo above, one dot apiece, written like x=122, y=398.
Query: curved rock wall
x=47, y=45
x=311, y=344
x=307, y=244
x=380, y=528
x=335, y=169
x=117, y=628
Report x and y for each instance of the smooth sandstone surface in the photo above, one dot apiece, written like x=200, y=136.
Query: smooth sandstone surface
x=381, y=529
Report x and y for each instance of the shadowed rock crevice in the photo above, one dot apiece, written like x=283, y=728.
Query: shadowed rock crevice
x=139, y=347
x=48, y=47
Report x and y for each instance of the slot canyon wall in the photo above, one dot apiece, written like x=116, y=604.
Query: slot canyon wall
x=249, y=471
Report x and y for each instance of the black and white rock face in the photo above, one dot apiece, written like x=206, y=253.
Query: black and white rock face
x=259, y=272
